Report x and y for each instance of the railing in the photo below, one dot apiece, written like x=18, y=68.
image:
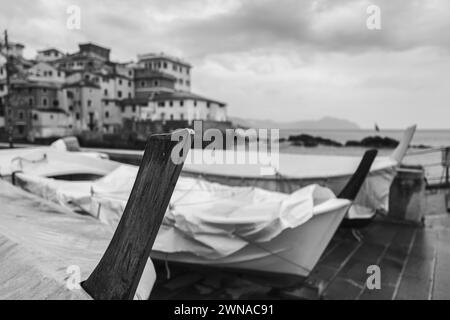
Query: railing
x=436, y=162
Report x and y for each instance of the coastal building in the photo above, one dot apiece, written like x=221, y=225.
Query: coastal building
x=14, y=49
x=187, y=106
x=85, y=91
x=43, y=71
x=89, y=56
x=3, y=90
x=49, y=55
x=25, y=97
x=179, y=69
x=136, y=109
x=83, y=105
x=49, y=123
x=147, y=82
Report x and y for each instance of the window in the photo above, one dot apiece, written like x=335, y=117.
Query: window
x=155, y=83
x=77, y=116
x=129, y=83
x=120, y=81
x=195, y=103
x=129, y=95
x=89, y=103
x=134, y=109
x=208, y=105
x=174, y=67
x=182, y=116
x=1, y=87
x=50, y=73
x=119, y=94
x=123, y=109
x=161, y=104
x=20, y=115
x=35, y=117
x=171, y=117
x=106, y=114
x=106, y=92
x=181, y=103
x=165, y=65
x=30, y=102
x=44, y=90
x=70, y=108
x=55, y=103
x=171, y=103
x=106, y=102
x=142, y=83
x=51, y=116
x=44, y=102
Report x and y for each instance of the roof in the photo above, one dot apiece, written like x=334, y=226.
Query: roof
x=15, y=83
x=181, y=95
x=51, y=110
x=50, y=50
x=82, y=83
x=134, y=101
x=163, y=56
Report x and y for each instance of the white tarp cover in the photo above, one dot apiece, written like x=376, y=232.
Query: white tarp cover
x=48, y=161
x=206, y=219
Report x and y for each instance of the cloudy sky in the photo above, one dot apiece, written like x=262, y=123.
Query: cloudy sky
x=283, y=60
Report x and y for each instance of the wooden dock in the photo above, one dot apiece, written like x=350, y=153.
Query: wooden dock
x=414, y=263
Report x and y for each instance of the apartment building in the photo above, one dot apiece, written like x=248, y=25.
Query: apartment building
x=175, y=67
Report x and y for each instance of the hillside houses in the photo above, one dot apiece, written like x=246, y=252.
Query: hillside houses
x=58, y=94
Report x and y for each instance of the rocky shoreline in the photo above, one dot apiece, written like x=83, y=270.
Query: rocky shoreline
x=378, y=142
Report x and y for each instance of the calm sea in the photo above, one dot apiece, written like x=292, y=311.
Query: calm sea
x=434, y=138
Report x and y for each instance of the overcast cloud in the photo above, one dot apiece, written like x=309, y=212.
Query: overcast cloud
x=283, y=60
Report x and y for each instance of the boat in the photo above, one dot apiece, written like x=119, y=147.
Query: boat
x=295, y=171
x=52, y=162
x=48, y=252
x=245, y=228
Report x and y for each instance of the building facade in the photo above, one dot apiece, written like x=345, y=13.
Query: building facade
x=57, y=94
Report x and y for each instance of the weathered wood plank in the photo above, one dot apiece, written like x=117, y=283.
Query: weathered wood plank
x=120, y=269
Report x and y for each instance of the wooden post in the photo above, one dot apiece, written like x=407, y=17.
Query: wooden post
x=119, y=271
x=353, y=186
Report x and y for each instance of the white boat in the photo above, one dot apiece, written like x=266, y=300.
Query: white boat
x=296, y=171
x=54, y=163
x=244, y=228
x=47, y=250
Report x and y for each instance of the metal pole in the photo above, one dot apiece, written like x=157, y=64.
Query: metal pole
x=8, y=92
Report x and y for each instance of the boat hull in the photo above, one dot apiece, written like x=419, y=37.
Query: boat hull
x=294, y=252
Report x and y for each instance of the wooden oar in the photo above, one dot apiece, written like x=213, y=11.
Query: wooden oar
x=118, y=273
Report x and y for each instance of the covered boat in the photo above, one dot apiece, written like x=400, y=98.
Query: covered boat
x=47, y=250
x=295, y=171
x=245, y=228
